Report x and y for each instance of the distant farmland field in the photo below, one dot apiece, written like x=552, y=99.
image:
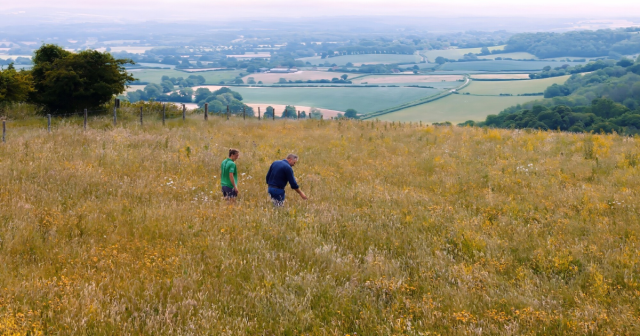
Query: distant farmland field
x=513, y=87
x=500, y=65
x=453, y=53
x=271, y=78
x=419, y=79
x=500, y=76
x=514, y=55
x=456, y=109
x=155, y=76
x=364, y=100
x=364, y=59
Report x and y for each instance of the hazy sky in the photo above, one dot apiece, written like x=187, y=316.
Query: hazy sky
x=169, y=10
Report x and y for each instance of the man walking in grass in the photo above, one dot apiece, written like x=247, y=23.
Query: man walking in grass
x=280, y=173
x=229, y=175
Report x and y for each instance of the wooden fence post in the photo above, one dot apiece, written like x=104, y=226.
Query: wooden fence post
x=244, y=113
x=140, y=115
x=227, y=112
x=115, y=115
x=273, y=113
x=163, y=113
x=85, y=119
x=184, y=112
x=206, y=111
x=49, y=123
x=4, y=131
x=258, y=112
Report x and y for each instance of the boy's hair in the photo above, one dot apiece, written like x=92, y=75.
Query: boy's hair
x=233, y=151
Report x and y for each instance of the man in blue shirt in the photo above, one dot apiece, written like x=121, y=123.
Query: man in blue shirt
x=280, y=173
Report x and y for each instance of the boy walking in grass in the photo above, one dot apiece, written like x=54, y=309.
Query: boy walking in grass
x=229, y=175
x=280, y=173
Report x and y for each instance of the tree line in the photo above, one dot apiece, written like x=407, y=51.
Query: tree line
x=606, y=100
x=586, y=43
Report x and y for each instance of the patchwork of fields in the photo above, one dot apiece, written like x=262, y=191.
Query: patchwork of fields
x=273, y=78
x=155, y=75
x=456, y=108
x=364, y=100
x=357, y=60
x=397, y=79
x=501, y=65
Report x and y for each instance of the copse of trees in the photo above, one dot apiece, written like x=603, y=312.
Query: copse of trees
x=62, y=82
x=65, y=81
x=218, y=101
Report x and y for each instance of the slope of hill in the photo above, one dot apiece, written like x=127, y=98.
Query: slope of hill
x=409, y=230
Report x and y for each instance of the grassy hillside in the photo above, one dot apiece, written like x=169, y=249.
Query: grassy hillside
x=456, y=108
x=513, y=87
x=409, y=230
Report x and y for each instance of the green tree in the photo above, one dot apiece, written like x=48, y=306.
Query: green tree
x=344, y=77
x=351, y=114
x=65, y=81
x=202, y=94
x=441, y=60
x=15, y=86
x=268, y=113
x=290, y=112
x=282, y=80
x=251, y=80
x=315, y=113
x=167, y=86
x=153, y=91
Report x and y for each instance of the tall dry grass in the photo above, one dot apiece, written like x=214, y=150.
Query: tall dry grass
x=409, y=231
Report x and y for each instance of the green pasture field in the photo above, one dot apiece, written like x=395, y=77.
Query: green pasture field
x=512, y=87
x=514, y=55
x=212, y=77
x=500, y=65
x=364, y=59
x=453, y=53
x=364, y=100
x=456, y=109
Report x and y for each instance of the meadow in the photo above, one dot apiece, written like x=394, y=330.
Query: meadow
x=409, y=230
x=364, y=100
x=212, y=77
x=357, y=60
x=513, y=87
x=456, y=108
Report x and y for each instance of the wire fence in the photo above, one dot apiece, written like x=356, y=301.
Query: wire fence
x=161, y=112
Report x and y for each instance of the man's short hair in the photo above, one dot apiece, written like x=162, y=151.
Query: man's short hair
x=292, y=157
x=233, y=151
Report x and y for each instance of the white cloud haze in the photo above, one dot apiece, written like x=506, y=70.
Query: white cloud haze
x=201, y=9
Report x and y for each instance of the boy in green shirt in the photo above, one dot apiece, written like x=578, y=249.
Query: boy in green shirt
x=229, y=175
